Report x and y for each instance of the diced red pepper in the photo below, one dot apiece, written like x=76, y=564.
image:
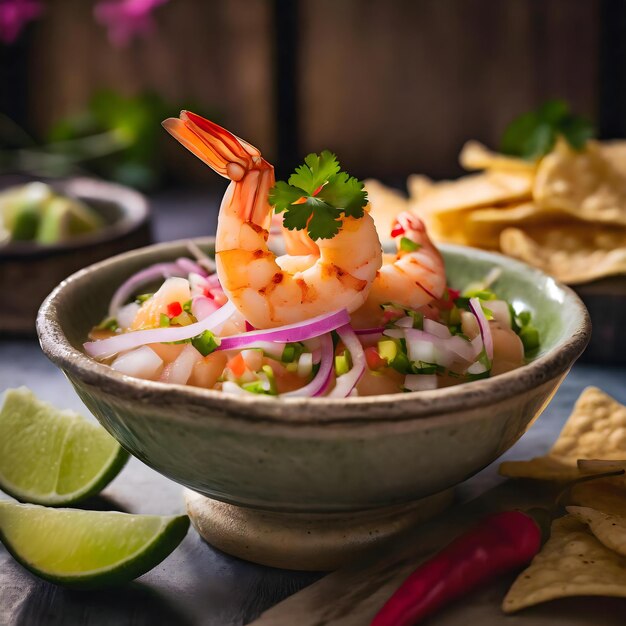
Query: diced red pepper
x=453, y=293
x=397, y=230
x=174, y=309
x=237, y=365
x=373, y=359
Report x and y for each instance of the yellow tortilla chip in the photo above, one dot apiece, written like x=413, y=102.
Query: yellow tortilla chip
x=596, y=429
x=475, y=156
x=608, y=529
x=572, y=563
x=419, y=186
x=385, y=204
x=606, y=494
x=476, y=190
x=614, y=152
x=573, y=253
x=585, y=184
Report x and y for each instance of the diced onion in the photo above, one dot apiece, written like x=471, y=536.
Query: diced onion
x=126, y=315
x=436, y=329
x=179, y=371
x=305, y=364
x=141, y=363
x=202, y=307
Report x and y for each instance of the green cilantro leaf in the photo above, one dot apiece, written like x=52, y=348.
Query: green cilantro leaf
x=317, y=169
x=532, y=135
x=317, y=196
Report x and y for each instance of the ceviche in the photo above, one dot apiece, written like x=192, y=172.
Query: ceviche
x=333, y=316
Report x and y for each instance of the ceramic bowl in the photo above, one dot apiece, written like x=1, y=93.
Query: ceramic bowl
x=28, y=271
x=317, y=455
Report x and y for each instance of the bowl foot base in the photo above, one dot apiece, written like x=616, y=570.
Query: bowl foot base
x=304, y=541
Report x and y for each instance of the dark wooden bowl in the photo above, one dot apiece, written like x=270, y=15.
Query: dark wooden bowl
x=29, y=271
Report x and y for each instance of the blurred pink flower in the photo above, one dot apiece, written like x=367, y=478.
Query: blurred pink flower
x=14, y=15
x=126, y=19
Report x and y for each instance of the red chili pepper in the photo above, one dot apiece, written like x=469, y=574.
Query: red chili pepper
x=453, y=293
x=499, y=543
x=397, y=230
x=174, y=309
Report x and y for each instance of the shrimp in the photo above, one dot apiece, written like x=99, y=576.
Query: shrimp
x=268, y=290
x=409, y=278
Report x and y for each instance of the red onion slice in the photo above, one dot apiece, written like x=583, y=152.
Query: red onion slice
x=188, y=266
x=320, y=381
x=128, y=341
x=145, y=276
x=299, y=331
x=483, y=325
x=347, y=382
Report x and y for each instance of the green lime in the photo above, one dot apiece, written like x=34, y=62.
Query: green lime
x=53, y=457
x=87, y=549
x=63, y=218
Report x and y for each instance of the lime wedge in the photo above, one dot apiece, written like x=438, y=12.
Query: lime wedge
x=53, y=457
x=87, y=549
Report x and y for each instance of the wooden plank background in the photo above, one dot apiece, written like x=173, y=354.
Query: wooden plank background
x=394, y=86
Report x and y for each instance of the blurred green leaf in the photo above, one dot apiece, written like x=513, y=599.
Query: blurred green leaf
x=533, y=134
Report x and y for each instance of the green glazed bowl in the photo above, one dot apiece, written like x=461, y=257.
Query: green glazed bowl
x=316, y=455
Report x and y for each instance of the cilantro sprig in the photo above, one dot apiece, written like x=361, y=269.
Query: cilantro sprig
x=317, y=195
x=533, y=134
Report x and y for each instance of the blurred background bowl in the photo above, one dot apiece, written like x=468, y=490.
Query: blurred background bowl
x=29, y=271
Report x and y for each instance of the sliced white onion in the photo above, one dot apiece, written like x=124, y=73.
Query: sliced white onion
x=126, y=315
x=483, y=324
x=128, y=341
x=230, y=387
x=436, y=329
x=321, y=380
x=420, y=382
x=141, y=363
x=420, y=350
x=463, y=348
x=347, y=382
x=179, y=371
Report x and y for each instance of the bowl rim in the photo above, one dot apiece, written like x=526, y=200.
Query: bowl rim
x=135, y=213
x=306, y=411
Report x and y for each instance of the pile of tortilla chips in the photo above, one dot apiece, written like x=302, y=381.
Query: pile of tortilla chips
x=586, y=552
x=565, y=213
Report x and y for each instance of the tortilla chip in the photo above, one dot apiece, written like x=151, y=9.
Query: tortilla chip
x=572, y=563
x=475, y=156
x=385, y=204
x=606, y=494
x=614, y=152
x=608, y=529
x=476, y=190
x=419, y=186
x=596, y=429
x=584, y=184
x=573, y=253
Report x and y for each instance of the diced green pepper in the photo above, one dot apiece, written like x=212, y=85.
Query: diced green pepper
x=408, y=245
x=530, y=338
x=343, y=363
x=387, y=349
x=205, y=343
x=164, y=320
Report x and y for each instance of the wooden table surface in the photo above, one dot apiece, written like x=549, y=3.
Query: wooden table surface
x=198, y=585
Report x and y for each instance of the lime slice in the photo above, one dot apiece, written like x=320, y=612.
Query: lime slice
x=87, y=549
x=53, y=457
